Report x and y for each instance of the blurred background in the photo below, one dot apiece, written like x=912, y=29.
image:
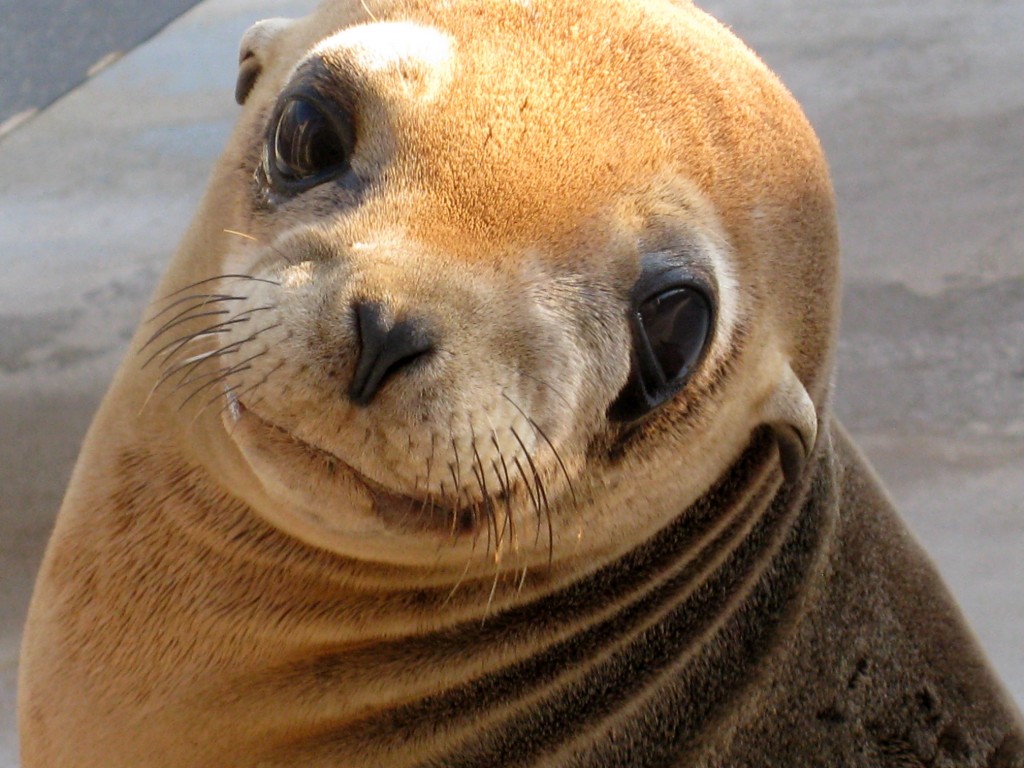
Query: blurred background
x=920, y=107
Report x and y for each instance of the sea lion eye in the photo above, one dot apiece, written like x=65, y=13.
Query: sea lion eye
x=670, y=330
x=307, y=145
x=674, y=324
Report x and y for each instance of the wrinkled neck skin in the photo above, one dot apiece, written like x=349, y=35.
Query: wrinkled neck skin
x=665, y=633
x=327, y=660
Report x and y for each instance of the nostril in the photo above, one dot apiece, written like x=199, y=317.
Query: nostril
x=385, y=347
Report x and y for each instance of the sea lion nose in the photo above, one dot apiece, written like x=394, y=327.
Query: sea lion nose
x=385, y=347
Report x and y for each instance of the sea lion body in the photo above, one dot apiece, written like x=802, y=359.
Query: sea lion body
x=482, y=419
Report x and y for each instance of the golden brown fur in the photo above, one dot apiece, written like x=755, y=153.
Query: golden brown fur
x=479, y=567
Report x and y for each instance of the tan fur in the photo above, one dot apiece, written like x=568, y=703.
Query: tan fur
x=264, y=588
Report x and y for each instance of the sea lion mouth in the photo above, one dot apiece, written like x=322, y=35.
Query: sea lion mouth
x=317, y=477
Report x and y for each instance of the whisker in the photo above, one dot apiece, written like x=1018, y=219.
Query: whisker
x=551, y=445
x=244, y=392
x=241, y=317
x=205, y=300
x=368, y=11
x=240, y=234
x=534, y=502
x=196, y=360
x=183, y=341
x=462, y=576
x=238, y=317
x=549, y=385
x=189, y=378
x=459, y=491
x=451, y=533
x=542, y=495
x=180, y=317
x=221, y=375
x=179, y=344
x=242, y=365
x=522, y=580
x=489, y=521
x=426, y=480
x=254, y=387
x=472, y=550
x=178, y=320
x=191, y=363
x=481, y=480
x=211, y=401
x=458, y=468
x=490, y=597
x=455, y=509
x=430, y=459
x=204, y=281
x=284, y=256
x=506, y=489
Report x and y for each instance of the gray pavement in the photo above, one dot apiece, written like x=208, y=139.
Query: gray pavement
x=918, y=105
x=50, y=46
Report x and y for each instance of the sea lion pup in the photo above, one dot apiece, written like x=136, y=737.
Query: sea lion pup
x=482, y=420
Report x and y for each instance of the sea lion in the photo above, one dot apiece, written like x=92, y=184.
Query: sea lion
x=482, y=419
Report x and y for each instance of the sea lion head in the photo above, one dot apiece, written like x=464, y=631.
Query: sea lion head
x=515, y=277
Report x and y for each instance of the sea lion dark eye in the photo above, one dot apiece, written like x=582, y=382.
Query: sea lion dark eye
x=674, y=324
x=670, y=331
x=307, y=145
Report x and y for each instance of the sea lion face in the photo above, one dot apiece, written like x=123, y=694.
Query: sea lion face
x=515, y=277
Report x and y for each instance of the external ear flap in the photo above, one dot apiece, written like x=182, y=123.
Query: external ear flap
x=254, y=53
x=790, y=412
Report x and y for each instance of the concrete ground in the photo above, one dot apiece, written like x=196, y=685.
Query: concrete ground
x=919, y=106
x=48, y=51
